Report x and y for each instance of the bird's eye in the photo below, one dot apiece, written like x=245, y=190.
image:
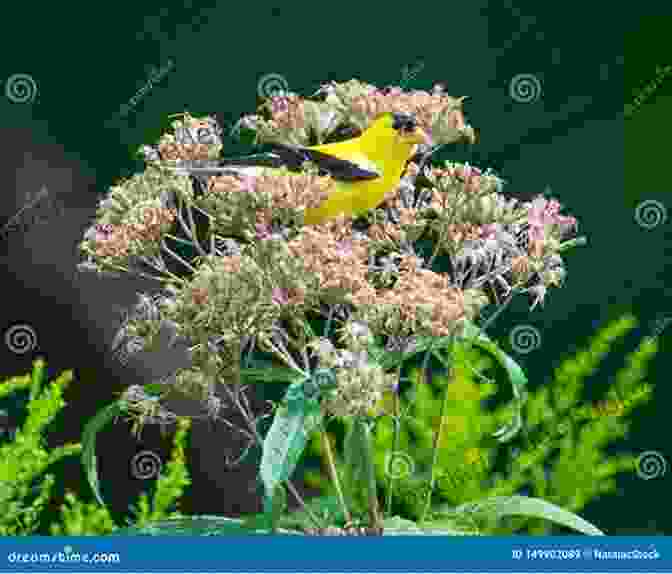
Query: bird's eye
x=404, y=122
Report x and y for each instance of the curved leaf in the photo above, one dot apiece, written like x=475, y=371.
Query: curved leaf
x=328, y=507
x=500, y=506
x=286, y=440
x=474, y=335
x=359, y=478
x=92, y=428
x=202, y=525
x=398, y=526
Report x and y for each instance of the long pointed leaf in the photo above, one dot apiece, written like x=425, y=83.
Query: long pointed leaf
x=91, y=429
x=287, y=438
x=500, y=506
x=473, y=334
x=203, y=525
x=356, y=477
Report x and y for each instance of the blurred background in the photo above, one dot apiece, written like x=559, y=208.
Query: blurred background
x=547, y=85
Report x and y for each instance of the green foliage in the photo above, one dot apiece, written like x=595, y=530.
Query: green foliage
x=25, y=489
x=23, y=461
x=80, y=519
x=560, y=457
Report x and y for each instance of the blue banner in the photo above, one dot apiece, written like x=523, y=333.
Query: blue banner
x=336, y=554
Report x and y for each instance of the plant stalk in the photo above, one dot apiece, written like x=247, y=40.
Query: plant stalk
x=334, y=475
x=435, y=447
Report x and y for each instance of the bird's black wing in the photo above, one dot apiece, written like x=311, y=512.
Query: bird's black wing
x=290, y=157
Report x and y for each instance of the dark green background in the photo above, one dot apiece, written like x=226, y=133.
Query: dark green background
x=89, y=59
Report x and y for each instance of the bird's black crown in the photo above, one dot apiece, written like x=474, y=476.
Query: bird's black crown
x=404, y=122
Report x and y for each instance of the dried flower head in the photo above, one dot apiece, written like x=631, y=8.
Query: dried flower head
x=338, y=260
x=254, y=202
x=193, y=139
x=360, y=385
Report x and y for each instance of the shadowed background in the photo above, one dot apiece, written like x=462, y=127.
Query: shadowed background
x=89, y=61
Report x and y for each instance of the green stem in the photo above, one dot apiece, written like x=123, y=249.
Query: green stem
x=395, y=444
x=365, y=437
x=435, y=448
x=334, y=474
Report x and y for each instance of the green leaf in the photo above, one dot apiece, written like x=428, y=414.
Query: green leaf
x=286, y=440
x=398, y=526
x=37, y=378
x=91, y=429
x=203, y=525
x=274, y=507
x=355, y=475
x=327, y=507
x=474, y=335
x=154, y=389
x=447, y=528
x=500, y=506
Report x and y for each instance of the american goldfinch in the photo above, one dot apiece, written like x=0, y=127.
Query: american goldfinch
x=364, y=168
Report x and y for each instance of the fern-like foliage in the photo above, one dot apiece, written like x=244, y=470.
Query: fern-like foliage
x=559, y=458
x=91, y=519
x=25, y=488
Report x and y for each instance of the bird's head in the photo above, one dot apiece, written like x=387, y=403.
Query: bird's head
x=399, y=127
x=394, y=134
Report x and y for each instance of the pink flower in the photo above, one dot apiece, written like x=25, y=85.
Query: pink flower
x=280, y=296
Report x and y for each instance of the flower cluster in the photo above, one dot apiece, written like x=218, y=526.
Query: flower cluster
x=359, y=382
x=250, y=205
x=352, y=106
x=143, y=226
x=337, y=259
x=444, y=245
x=192, y=139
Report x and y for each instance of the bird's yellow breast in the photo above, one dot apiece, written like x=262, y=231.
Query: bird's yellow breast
x=358, y=197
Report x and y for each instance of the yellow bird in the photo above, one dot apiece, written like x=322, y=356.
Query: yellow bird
x=364, y=168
